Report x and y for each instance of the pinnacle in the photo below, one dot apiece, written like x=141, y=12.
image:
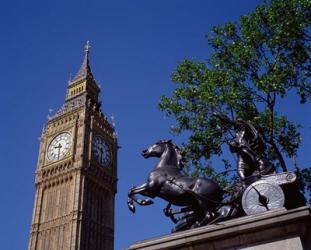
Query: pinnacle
x=85, y=69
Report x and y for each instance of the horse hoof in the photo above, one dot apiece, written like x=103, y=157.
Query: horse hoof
x=167, y=212
x=131, y=207
x=196, y=225
x=146, y=202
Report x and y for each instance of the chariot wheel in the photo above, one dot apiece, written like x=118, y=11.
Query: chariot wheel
x=262, y=196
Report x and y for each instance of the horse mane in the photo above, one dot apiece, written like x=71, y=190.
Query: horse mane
x=179, y=155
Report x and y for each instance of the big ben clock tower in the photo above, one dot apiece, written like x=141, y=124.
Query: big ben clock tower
x=77, y=173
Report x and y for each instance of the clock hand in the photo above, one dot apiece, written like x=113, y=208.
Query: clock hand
x=101, y=154
x=58, y=147
x=262, y=199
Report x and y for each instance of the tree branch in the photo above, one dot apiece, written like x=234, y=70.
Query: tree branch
x=279, y=155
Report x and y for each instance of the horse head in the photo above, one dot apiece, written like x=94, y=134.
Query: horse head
x=165, y=146
x=156, y=149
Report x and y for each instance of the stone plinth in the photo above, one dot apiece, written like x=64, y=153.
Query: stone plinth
x=274, y=230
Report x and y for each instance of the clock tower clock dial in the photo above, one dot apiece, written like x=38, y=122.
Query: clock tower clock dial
x=101, y=151
x=76, y=172
x=59, y=147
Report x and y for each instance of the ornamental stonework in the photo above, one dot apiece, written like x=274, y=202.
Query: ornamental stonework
x=74, y=200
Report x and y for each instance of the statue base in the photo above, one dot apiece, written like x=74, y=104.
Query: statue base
x=273, y=230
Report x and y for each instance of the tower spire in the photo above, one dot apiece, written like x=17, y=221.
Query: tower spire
x=83, y=84
x=85, y=69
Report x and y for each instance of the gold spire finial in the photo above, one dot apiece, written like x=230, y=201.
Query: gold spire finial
x=87, y=47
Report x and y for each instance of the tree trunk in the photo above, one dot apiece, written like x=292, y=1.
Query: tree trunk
x=280, y=157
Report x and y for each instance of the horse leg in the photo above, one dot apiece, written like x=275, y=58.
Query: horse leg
x=224, y=212
x=170, y=213
x=187, y=216
x=207, y=218
x=143, y=190
x=190, y=219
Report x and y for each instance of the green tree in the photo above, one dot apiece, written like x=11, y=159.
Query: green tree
x=255, y=63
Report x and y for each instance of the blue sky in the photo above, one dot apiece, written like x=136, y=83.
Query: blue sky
x=136, y=45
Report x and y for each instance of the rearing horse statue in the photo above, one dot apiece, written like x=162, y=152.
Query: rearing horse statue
x=199, y=197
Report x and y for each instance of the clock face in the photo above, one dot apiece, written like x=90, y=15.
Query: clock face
x=59, y=147
x=101, y=151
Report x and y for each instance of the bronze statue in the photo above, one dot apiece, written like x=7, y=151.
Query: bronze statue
x=201, y=200
x=250, y=148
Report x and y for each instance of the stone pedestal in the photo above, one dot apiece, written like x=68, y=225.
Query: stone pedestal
x=274, y=230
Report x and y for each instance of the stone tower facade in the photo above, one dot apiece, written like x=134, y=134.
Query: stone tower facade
x=76, y=175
